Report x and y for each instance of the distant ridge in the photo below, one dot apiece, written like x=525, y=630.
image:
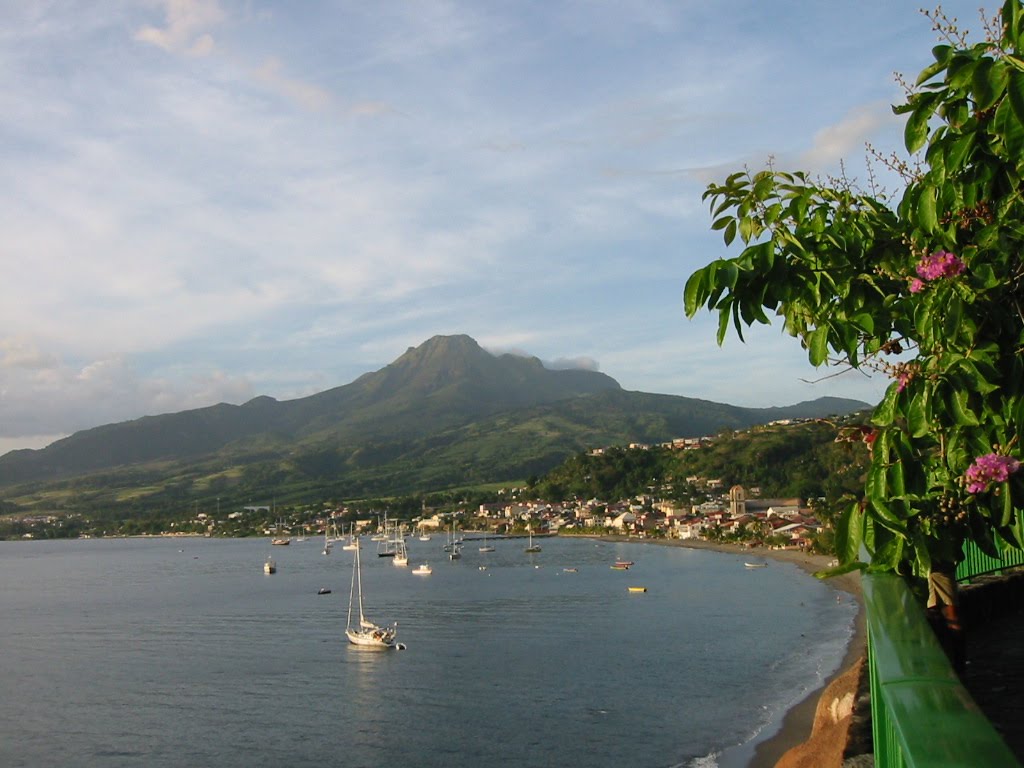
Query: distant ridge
x=444, y=412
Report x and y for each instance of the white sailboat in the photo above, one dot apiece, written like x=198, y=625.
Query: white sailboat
x=532, y=547
x=401, y=553
x=364, y=632
x=279, y=540
x=486, y=547
x=353, y=540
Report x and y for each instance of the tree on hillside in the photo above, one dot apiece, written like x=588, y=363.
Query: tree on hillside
x=928, y=289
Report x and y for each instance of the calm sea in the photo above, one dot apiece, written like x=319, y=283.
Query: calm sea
x=171, y=652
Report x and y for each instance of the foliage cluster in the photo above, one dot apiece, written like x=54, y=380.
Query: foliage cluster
x=929, y=290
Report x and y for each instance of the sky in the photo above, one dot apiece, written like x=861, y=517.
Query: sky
x=204, y=201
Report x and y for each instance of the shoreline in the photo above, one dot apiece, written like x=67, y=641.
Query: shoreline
x=795, y=726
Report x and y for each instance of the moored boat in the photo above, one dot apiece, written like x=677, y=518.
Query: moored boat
x=364, y=632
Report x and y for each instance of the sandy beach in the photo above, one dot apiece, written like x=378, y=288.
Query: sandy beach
x=797, y=723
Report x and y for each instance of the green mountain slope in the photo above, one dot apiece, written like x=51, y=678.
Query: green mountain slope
x=443, y=414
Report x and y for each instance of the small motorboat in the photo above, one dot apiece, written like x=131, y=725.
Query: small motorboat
x=570, y=570
x=270, y=566
x=323, y=591
x=637, y=589
x=755, y=565
x=423, y=570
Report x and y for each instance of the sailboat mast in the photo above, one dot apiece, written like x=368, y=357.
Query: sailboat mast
x=352, y=590
x=359, y=577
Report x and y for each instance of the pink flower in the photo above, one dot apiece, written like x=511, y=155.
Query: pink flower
x=916, y=286
x=988, y=469
x=904, y=375
x=938, y=264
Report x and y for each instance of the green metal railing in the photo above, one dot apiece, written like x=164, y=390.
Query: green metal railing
x=977, y=563
x=922, y=716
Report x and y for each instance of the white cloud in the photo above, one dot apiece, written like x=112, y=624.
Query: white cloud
x=184, y=28
x=846, y=140
x=297, y=201
x=98, y=392
x=271, y=73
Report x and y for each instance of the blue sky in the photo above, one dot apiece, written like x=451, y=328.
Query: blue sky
x=202, y=201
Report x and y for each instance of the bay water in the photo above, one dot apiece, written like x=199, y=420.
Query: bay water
x=182, y=652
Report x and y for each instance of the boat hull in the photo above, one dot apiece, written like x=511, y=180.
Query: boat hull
x=371, y=638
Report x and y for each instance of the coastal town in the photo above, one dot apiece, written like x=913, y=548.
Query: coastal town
x=709, y=510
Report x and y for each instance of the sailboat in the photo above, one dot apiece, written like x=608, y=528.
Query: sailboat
x=532, y=547
x=386, y=546
x=486, y=547
x=401, y=554
x=280, y=541
x=353, y=540
x=364, y=632
x=453, y=547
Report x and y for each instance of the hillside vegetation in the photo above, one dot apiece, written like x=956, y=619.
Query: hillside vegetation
x=446, y=414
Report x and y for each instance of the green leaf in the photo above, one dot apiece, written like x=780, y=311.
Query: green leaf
x=958, y=152
x=1010, y=129
x=1015, y=92
x=941, y=54
x=922, y=557
x=723, y=322
x=848, y=531
x=953, y=317
x=895, y=479
x=817, y=345
x=695, y=293
x=885, y=411
x=839, y=570
x=926, y=208
x=888, y=556
x=916, y=131
x=960, y=409
x=730, y=232
x=919, y=414
x=727, y=274
x=865, y=322
x=989, y=82
x=961, y=69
